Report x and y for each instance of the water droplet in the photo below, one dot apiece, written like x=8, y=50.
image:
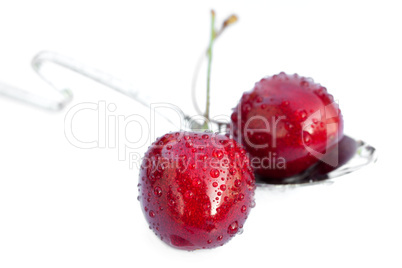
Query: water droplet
x=188, y=194
x=152, y=214
x=252, y=204
x=171, y=202
x=168, y=147
x=203, y=157
x=158, y=191
x=233, y=228
x=215, y=184
x=284, y=103
x=232, y=171
x=189, y=144
x=186, y=137
x=197, y=182
x=288, y=126
x=246, y=108
x=223, y=187
x=237, y=183
x=259, y=99
x=283, y=75
x=304, y=83
x=152, y=178
x=241, y=197
x=205, y=136
x=218, y=154
x=302, y=114
x=207, y=206
x=307, y=138
x=243, y=208
x=209, y=241
x=219, y=238
x=214, y=173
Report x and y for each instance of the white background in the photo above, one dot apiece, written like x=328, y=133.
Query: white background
x=62, y=206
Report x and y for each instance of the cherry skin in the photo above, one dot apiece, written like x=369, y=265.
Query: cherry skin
x=287, y=123
x=196, y=189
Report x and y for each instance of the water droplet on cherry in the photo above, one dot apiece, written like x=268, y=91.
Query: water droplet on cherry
x=188, y=194
x=307, y=138
x=189, y=144
x=243, y=208
x=218, y=154
x=171, y=203
x=233, y=228
x=214, y=173
x=158, y=191
x=232, y=171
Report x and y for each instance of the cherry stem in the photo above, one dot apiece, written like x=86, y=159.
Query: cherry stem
x=211, y=42
x=214, y=35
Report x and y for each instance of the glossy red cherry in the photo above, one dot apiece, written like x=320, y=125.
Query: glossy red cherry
x=196, y=189
x=287, y=123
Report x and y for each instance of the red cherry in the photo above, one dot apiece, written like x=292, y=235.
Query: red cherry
x=193, y=199
x=286, y=123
